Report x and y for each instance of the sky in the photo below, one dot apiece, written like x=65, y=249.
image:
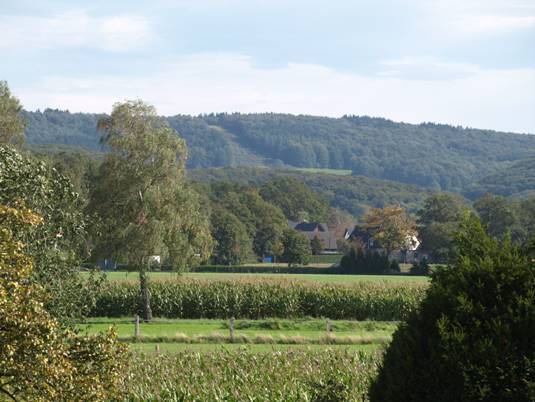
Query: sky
x=461, y=62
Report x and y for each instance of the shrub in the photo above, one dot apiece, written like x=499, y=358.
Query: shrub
x=40, y=360
x=421, y=268
x=472, y=339
x=366, y=262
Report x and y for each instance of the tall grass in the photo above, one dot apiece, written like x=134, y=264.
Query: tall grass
x=289, y=376
x=257, y=299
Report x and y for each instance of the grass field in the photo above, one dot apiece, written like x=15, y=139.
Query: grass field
x=168, y=336
x=325, y=259
x=338, y=172
x=274, y=328
x=322, y=278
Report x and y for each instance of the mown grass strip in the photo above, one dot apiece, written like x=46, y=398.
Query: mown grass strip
x=330, y=339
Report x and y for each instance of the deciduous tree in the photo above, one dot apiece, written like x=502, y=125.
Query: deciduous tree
x=390, y=226
x=316, y=246
x=296, y=248
x=141, y=195
x=40, y=361
x=11, y=123
x=232, y=243
x=295, y=199
x=57, y=244
x=438, y=220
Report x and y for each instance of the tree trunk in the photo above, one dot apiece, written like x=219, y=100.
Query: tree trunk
x=145, y=295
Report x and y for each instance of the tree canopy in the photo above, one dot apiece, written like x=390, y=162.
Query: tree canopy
x=57, y=245
x=141, y=197
x=295, y=199
x=434, y=156
x=471, y=339
x=39, y=360
x=11, y=122
x=391, y=226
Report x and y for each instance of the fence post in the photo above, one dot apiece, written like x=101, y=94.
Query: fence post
x=231, y=328
x=136, y=333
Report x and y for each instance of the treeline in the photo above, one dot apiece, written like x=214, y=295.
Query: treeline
x=354, y=194
x=249, y=222
x=441, y=217
x=435, y=156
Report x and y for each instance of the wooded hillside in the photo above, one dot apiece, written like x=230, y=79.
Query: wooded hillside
x=438, y=157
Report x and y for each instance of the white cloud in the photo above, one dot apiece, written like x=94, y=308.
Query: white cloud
x=426, y=68
x=502, y=100
x=480, y=17
x=481, y=24
x=75, y=29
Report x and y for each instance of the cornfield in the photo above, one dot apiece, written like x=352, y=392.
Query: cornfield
x=258, y=299
x=290, y=376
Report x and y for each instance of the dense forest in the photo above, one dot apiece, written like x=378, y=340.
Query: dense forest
x=516, y=180
x=438, y=157
x=354, y=194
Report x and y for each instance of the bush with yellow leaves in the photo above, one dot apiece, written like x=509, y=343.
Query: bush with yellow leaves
x=40, y=360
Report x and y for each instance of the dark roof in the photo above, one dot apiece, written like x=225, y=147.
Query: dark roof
x=360, y=233
x=364, y=236
x=311, y=226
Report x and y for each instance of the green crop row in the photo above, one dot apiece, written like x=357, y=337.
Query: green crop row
x=289, y=376
x=263, y=299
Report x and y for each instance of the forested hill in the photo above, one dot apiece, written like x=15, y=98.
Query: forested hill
x=430, y=155
x=354, y=194
x=516, y=180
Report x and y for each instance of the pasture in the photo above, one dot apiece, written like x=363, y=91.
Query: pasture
x=337, y=172
x=304, y=331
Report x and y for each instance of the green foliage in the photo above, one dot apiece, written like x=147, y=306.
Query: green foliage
x=296, y=248
x=420, y=268
x=295, y=199
x=57, y=244
x=316, y=245
x=471, y=339
x=263, y=298
x=294, y=376
x=354, y=194
x=40, y=361
x=517, y=179
x=11, y=122
x=498, y=215
x=429, y=155
x=232, y=243
x=438, y=220
x=141, y=197
x=264, y=223
x=390, y=226
x=362, y=262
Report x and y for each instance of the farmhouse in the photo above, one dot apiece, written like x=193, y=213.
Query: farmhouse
x=409, y=253
x=316, y=229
